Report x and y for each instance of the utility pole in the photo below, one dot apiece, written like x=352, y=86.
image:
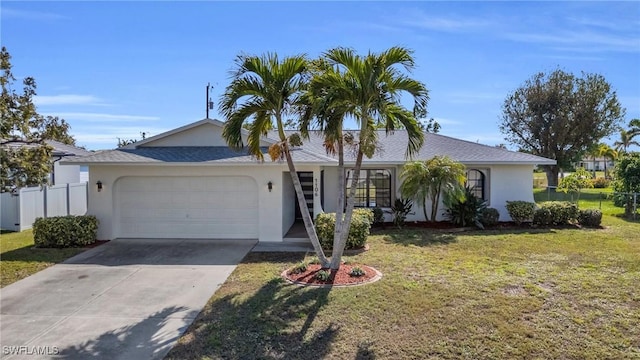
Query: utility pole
x=209, y=102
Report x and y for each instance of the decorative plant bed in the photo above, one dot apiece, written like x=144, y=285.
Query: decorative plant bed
x=340, y=278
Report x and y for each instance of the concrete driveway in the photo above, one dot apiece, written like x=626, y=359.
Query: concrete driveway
x=127, y=299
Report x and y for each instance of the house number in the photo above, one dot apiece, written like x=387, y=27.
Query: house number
x=315, y=188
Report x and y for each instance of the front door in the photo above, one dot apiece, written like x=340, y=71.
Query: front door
x=306, y=180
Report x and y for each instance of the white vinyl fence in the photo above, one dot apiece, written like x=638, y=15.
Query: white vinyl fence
x=19, y=210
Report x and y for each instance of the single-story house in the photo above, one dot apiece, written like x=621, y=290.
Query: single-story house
x=60, y=174
x=597, y=164
x=186, y=183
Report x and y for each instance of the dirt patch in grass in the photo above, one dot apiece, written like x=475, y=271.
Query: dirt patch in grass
x=341, y=277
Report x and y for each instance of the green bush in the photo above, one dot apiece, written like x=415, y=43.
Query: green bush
x=65, y=231
x=366, y=213
x=378, y=216
x=464, y=211
x=521, y=211
x=590, y=217
x=489, y=217
x=323, y=275
x=400, y=209
x=299, y=268
x=358, y=232
x=556, y=213
x=357, y=272
x=600, y=183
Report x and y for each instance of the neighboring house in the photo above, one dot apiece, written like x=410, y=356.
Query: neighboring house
x=599, y=163
x=186, y=183
x=60, y=174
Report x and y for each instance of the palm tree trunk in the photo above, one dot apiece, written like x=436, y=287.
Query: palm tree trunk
x=336, y=255
x=424, y=208
x=337, y=233
x=304, y=210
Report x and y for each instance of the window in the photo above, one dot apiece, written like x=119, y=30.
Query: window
x=374, y=188
x=475, y=181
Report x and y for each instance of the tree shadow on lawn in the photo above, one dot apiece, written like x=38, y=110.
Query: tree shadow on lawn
x=419, y=237
x=145, y=339
x=30, y=253
x=273, y=323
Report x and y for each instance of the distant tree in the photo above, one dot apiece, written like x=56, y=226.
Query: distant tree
x=608, y=153
x=626, y=140
x=560, y=116
x=634, y=128
x=430, y=125
x=24, y=155
x=125, y=142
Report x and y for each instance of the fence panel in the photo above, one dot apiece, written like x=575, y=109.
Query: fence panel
x=19, y=212
x=78, y=198
x=9, y=212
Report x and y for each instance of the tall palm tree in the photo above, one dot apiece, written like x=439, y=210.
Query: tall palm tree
x=264, y=92
x=626, y=140
x=366, y=89
x=634, y=128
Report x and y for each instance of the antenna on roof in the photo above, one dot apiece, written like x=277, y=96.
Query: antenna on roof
x=208, y=100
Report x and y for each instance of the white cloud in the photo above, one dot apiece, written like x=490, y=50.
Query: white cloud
x=588, y=41
x=66, y=99
x=30, y=15
x=106, y=137
x=102, y=117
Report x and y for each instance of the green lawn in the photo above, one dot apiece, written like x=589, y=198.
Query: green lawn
x=19, y=258
x=502, y=294
x=589, y=199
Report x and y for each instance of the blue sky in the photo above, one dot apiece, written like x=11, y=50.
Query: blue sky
x=114, y=69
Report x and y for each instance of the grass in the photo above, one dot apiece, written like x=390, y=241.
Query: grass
x=589, y=199
x=531, y=293
x=19, y=258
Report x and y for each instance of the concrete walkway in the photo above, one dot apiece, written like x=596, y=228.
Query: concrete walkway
x=127, y=299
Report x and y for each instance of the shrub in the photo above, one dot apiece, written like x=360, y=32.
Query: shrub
x=299, y=268
x=65, y=231
x=590, y=217
x=464, y=211
x=358, y=232
x=365, y=213
x=356, y=272
x=556, y=213
x=378, y=216
x=489, y=217
x=521, y=211
x=600, y=183
x=400, y=209
x=323, y=275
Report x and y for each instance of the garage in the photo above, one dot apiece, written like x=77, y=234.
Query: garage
x=198, y=207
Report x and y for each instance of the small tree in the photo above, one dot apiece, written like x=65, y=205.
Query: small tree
x=25, y=157
x=627, y=172
x=422, y=180
x=581, y=179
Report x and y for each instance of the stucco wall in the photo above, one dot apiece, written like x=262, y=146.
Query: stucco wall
x=101, y=204
x=65, y=174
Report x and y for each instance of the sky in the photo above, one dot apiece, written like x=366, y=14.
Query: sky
x=115, y=69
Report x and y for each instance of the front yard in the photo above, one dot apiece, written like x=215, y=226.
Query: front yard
x=541, y=293
x=19, y=259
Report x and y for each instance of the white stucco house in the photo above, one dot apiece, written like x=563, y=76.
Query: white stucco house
x=186, y=183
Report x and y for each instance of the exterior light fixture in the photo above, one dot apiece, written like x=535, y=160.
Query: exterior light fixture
x=99, y=185
x=270, y=186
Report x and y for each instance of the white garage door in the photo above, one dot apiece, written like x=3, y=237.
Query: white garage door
x=221, y=207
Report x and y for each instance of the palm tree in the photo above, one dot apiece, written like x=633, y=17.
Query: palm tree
x=429, y=179
x=366, y=89
x=634, y=128
x=607, y=152
x=265, y=91
x=626, y=140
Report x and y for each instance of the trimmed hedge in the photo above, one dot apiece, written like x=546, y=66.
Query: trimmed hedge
x=590, y=217
x=521, y=211
x=358, y=232
x=65, y=231
x=490, y=217
x=556, y=213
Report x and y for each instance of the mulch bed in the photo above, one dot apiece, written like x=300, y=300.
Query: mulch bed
x=338, y=277
x=96, y=244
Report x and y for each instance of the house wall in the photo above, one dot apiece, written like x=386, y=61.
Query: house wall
x=65, y=174
x=503, y=183
x=272, y=205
